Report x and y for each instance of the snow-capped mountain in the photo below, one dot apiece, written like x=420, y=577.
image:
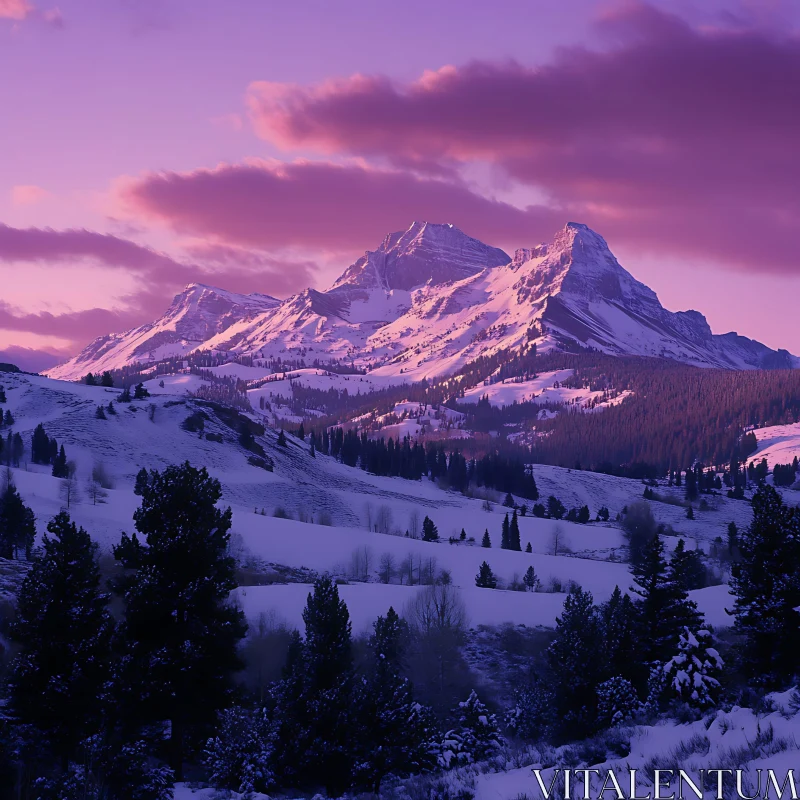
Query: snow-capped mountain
x=430, y=299
x=195, y=315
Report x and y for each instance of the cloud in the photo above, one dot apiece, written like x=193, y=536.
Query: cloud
x=15, y=9
x=159, y=275
x=28, y=194
x=30, y=359
x=319, y=205
x=673, y=139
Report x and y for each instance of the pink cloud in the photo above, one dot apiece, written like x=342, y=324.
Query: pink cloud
x=28, y=194
x=319, y=205
x=15, y=9
x=162, y=275
x=677, y=140
x=31, y=359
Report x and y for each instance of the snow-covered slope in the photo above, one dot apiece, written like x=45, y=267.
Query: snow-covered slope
x=196, y=314
x=431, y=298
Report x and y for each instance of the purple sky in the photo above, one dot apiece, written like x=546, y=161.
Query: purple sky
x=262, y=146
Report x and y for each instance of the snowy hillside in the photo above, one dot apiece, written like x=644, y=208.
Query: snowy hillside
x=337, y=511
x=429, y=300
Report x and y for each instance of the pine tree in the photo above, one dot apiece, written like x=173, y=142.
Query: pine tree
x=64, y=631
x=17, y=524
x=100, y=413
x=505, y=536
x=125, y=396
x=618, y=621
x=429, y=531
x=239, y=757
x=486, y=541
x=687, y=567
x=394, y=731
x=8, y=418
x=111, y=409
x=508, y=501
x=107, y=379
x=574, y=666
x=282, y=438
x=692, y=675
x=513, y=534
x=528, y=548
x=617, y=702
x=329, y=689
x=477, y=736
x=664, y=608
x=40, y=446
x=485, y=579
x=180, y=632
x=142, y=479
x=530, y=580
x=60, y=468
x=89, y=379
x=766, y=584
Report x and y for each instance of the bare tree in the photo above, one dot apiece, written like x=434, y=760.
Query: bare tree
x=97, y=494
x=407, y=570
x=8, y=478
x=387, y=567
x=413, y=524
x=437, y=618
x=437, y=608
x=428, y=570
x=558, y=541
x=69, y=490
x=383, y=519
x=361, y=560
x=324, y=518
x=368, y=515
x=151, y=412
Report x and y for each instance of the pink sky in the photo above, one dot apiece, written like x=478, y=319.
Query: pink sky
x=262, y=146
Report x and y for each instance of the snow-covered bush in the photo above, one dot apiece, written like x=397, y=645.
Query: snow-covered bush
x=239, y=757
x=531, y=714
x=617, y=701
x=693, y=674
x=476, y=738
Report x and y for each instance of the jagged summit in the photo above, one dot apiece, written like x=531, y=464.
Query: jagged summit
x=431, y=298
x=425, y=252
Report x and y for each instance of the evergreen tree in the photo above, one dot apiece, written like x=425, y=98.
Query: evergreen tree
x=664, y=608
x=555, y=508
x=687, y=567
x=486, y=541
x=100, y=413
x=64, y=631
x=477, y=736
x=513, y=534
x=17, y=524
x=733, y=539
x=111, y=409
x=620, y=654
x=692, y=675
x=107, y=379
x=329, y=690
x=528, y=548
x=239, y=757
x=766, y=585
x=282, y=438
x=394, y=731
x=485, y=579
x=617, y=702
x=60, y=468
x=575, y=669
x=508, y=500
x=17, y=448
x=429, y=531
x=180, y=633
x=142, y=480
x=89, y=379
x=505, y=536
x=530, y=580
x=40, y=445
x=8, y=418
x=690, y=513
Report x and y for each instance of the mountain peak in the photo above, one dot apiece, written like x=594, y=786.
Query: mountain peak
x=426, y=252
